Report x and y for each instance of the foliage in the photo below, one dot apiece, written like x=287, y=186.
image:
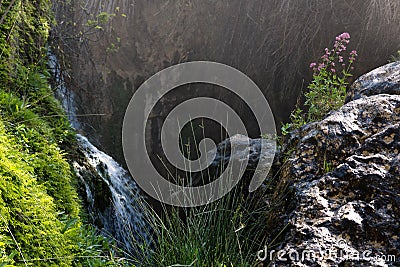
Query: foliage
x=297, y=120
x=40, y=216
x=227, y=232
x=29, y=217
x=327, y=90
x=101, y=19
x=327, y=167
x=395, y=58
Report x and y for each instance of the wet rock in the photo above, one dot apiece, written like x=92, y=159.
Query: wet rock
x=345, y=176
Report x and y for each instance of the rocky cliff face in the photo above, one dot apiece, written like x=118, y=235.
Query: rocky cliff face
x=345, y=174
x=337, y=193
x=271, y=41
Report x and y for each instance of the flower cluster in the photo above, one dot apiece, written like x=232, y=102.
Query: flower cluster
x=327, y=90
x=353, y=55
x=330, y=79
x=333, y=58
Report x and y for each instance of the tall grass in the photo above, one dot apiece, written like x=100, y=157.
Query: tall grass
x=227, y=232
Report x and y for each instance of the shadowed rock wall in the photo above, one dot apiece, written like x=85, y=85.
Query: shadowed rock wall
x=271, y=41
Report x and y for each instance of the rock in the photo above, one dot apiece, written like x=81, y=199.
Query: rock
x=344, y=172
x=383, y=80
x=243, y=148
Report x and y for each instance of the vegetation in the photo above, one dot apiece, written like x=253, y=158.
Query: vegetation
x=227, y=232
x=327, y=91
x=395, y=57
x=230, y=231
x=40, y=214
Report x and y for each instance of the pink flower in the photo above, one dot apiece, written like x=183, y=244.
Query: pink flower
x=336, y=45
x=353, y=53
x=333, y=58
x=327, y=52
x=344, y=35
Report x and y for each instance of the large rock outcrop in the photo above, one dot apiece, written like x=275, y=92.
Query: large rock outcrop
x=336, y=201
x=344, y=175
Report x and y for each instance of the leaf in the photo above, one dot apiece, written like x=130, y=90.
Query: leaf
x=70, y=223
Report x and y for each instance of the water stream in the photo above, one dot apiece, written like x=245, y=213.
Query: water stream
x=120, y=216
x=112, y=196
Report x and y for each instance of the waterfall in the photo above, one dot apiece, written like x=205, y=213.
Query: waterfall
x=112, y=197
x=121, y=215
x=67, y=98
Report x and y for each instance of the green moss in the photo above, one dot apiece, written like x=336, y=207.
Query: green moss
x=40, y=223
x=28, y=213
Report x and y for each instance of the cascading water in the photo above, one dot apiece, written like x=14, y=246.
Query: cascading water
x=120, y=216
x=66, y=97
x=112, y=196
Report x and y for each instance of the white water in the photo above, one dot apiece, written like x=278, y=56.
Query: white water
x=124, y=219
x=121, y=216
x=66, y=97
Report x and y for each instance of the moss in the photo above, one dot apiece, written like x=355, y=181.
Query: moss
x=29, y=214
x=40, y=213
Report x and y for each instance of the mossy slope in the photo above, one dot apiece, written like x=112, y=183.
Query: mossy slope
x=40, y=222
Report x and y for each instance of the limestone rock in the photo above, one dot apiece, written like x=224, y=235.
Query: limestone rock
x=383, y=80
x=344, y=172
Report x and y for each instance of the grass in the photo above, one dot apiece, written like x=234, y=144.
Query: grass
x=227, y=232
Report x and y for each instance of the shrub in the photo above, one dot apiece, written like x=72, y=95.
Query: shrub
x=327, y=91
